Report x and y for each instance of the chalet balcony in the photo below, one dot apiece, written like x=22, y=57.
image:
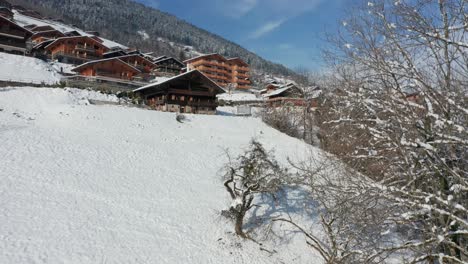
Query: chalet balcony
x=209, y=69
x=80, y=56
x=17, y=44
x=89, y=49
x=187, y=103
x=12, y=33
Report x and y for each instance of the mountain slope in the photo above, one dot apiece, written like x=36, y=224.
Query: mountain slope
x=137, y=25
x=107, y=184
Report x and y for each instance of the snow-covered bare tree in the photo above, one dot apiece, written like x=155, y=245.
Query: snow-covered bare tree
x=400, y=116
x=252, y=173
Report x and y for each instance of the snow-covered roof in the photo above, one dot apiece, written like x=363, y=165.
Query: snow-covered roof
x=104, y=60
x=278, y=91
x=152, y=85
x=86, y=37
x=169, y=58
x=24, y=20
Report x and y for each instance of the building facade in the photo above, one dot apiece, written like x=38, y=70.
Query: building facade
x=221, y=70
x=114, y=68
x=191, y=92
x=13, y=38
x=76, y=50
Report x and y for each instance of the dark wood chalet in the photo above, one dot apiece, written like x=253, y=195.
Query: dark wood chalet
x=168, y=66
x=6, y=4
x=6, y=12
x=13, y=37
x=191, y=92
x=114, y=68
x=76, y=50
x=42, y=36
x=288, y=94
x=41, y=28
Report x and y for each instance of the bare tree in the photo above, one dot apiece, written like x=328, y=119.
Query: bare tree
x=252, y=173
x=400, y=117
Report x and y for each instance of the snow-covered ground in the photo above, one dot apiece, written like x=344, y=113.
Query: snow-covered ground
x=26, y=70
x=83, y=183
x=239, y=97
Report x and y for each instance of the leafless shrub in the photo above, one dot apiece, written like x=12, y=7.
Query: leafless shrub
x=253, y=173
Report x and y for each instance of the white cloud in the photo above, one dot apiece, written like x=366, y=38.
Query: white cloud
x=266, y=28
x=236, y=9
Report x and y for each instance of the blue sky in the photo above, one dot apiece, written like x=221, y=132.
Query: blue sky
x=289, y=32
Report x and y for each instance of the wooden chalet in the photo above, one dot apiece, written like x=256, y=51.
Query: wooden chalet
x=191, y=92
x=30, y=13
x=76, y=50
x=288, y=94
x=39, y=37
x=6, y=12
x=41, y=28
x=114, y=68
x=116, y=52
x=6, y=4
x=223, y=71
x=139, y=62
x=13, y=37
x=168, y=66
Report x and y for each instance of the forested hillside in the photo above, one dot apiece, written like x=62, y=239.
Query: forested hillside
x=139, y=26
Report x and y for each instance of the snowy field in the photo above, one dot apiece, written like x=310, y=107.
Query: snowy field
x=24, y=69
x=83, y=183
x=239, y=97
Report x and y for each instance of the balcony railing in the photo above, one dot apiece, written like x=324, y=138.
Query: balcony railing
x=78, y=56
x=12, y=33
x=86, y=48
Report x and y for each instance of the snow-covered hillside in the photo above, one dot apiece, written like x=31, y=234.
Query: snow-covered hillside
x=24, y=69
x=83, y=183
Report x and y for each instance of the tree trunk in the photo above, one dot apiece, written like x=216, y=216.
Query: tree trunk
x=239, y=224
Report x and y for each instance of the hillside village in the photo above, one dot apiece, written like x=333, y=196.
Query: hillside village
x=85, y=59
x=114, y=154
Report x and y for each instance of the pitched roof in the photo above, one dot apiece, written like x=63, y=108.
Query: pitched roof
x=27, y=31
x=169, y=58
x=48, y=32
x=281, y=89
x=104, y=60
x=238, y=61
x=206, y=56
x=59, y=40
x=135, y=55
x=180, y=76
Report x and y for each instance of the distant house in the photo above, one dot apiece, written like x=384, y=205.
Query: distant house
x=6, y=12
x=269, y=88
x=13, y=37
x=76, y=50
x=6, y=4
x=168, y=66
x=191, y=92
x=222, y=70
x=110, y=68
x=283, y=95
x=35, y=28
x=30, y=13
x=39, y=37
x=139, y=62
